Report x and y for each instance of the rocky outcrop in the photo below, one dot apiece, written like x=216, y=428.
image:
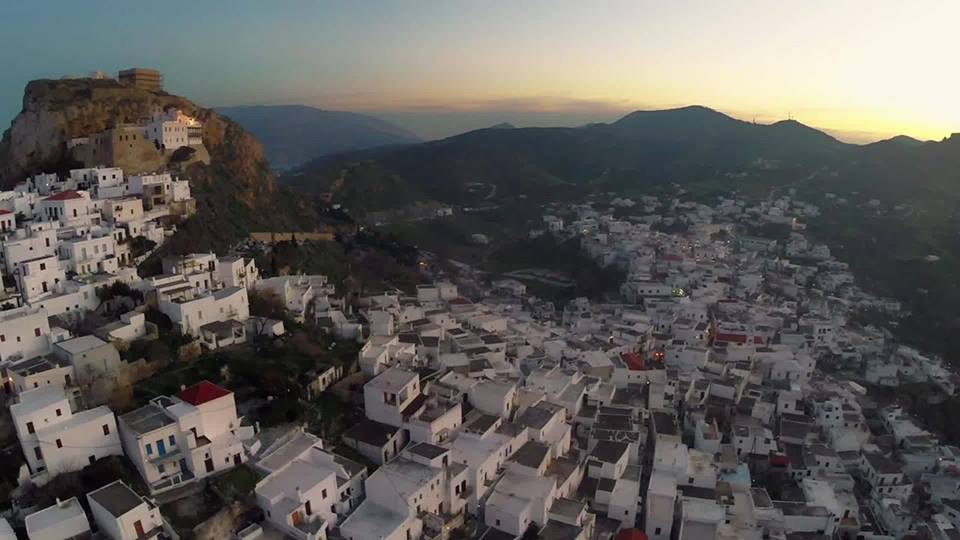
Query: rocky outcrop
x=234, y=187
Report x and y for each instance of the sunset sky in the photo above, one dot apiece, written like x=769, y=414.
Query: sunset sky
x=864, y=70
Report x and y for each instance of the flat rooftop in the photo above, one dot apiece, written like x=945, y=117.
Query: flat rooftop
x=116, y=498
x=148, y=418
x=427, y=450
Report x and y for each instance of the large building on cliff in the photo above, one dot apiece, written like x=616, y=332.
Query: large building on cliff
x=144, y=78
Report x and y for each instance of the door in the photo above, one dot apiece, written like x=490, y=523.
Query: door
x=138, y=526
x=236, y=459
x=183, y=465
x=161, y=448
x=209, y=465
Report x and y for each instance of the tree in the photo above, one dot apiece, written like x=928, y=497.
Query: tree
x=266, y=303
x=141, y=245
x=182, y=154
x=118, y=289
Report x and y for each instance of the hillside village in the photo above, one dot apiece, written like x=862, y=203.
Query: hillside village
x=729, y=391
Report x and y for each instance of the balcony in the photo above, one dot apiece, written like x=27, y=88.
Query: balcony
x=174, y=481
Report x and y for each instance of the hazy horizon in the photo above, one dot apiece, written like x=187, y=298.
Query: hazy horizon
x=438, y=123
x=859, y=71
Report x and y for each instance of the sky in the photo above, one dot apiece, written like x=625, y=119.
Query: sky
x=863, y=70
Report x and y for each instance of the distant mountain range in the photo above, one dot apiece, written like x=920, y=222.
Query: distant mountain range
x=291, y=135
x=643, y=147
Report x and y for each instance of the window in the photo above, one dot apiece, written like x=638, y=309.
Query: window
x=307, y=508
x=106, y=429
x=36, y=332
x=30, y=428
x=173, y=441
x=59, y=413
x=59, y=443
x=38, y=453
x=149, y=448
x=323, y=494
x=3, y=338
x=656, y=531
x=160, y=468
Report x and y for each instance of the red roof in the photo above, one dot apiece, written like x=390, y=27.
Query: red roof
x=64, y=195
x=758, y=340
x=631, y=534
x=2, y=212
x=202, y=392
x=779, y=459
x=633, y=361
x=733, y=338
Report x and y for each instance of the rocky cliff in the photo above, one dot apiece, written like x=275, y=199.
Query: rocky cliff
x=236, y=192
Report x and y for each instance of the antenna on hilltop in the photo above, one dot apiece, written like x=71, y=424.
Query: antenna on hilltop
x=790, y=115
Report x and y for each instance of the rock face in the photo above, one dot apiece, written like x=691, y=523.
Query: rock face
x=55, y=111
x=236, y=191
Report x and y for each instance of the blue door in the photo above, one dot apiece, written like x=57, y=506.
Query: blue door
x=161, y=449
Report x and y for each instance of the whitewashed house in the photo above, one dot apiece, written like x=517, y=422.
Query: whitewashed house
x=308, y=490
x=65, y=520
x=121, y=514
x=24, y=333
x=56, y=439
x=174, y=440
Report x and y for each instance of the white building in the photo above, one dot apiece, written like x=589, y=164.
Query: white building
x=69, y=208
x=387, y=397
x=28, y=243
x=422, y=481
x=39, y=277
x=192, y=435
x=57, y=439
x=194, y=310
x=172, y=129
x=121, y=514
x=65, y=520
x=24, y=333
x=307, y=490
x=94, y=252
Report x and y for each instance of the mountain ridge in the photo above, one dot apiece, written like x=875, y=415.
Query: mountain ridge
x=294, y=134
x=648, y=146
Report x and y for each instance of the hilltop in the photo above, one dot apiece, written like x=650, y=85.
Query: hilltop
x=641, y=149
x=236, y=192
x=294, y=134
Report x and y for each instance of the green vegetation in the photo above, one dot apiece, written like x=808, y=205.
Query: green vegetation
x=186, y=513
x=565, y=259
x=184, y=153
x=236, y=484
x=140, y=245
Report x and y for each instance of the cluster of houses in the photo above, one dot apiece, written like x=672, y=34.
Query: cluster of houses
x=705, y=405
x=69, y=248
